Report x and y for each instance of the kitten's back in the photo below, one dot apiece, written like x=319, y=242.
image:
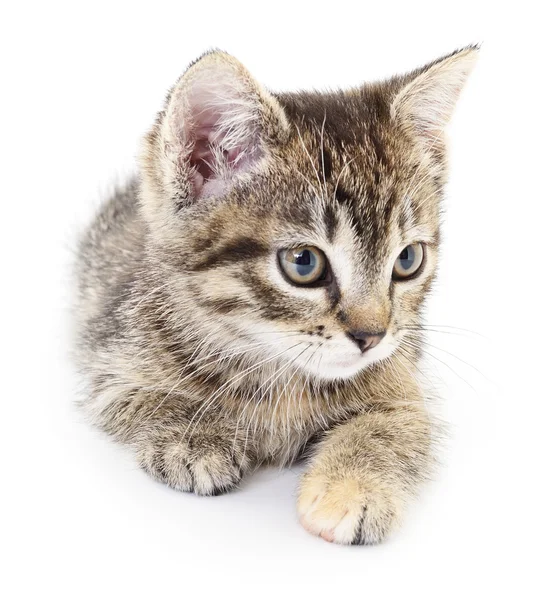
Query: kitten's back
x=110, y=255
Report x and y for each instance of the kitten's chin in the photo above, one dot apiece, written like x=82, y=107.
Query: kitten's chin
x=337, y=372
x=334, y=366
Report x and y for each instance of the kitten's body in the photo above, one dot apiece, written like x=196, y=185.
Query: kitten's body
x=201, y=356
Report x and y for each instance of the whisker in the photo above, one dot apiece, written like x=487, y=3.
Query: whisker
x=440, y=361
x=459, y=359
x=407, y=355
x=229, y=384
x=262, y=395
x=429, y=326
x=228, y=355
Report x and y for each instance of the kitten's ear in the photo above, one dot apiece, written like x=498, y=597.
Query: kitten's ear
x=217, y=127
x=426, y=101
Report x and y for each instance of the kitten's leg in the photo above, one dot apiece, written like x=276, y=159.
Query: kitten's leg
x=363, y=473
x=180, y=444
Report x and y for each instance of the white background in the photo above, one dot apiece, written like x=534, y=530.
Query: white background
x=80, y=83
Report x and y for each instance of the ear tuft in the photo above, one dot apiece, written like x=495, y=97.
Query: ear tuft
x=426, y=101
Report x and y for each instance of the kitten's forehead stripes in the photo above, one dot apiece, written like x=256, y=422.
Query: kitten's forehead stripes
x=342, y=195
x=324, y=164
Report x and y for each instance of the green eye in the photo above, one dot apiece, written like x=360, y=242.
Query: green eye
x=409, y=261
x=304, y=265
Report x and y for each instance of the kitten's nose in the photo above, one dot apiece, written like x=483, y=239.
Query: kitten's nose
x=365, y=339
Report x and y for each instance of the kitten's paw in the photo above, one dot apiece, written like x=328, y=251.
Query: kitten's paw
x=347, y=510
x=205, y=464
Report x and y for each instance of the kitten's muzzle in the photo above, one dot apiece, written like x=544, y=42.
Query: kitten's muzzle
x=366, y=340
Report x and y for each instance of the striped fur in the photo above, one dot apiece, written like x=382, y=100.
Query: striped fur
x=203, y=358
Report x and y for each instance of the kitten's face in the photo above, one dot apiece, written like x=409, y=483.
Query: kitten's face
x=308, y=238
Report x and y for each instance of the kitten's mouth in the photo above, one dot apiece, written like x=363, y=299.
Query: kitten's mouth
x=324, y=356
x=338, y=362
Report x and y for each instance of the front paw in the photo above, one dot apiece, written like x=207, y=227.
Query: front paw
x=348, y=509
x=207, y=464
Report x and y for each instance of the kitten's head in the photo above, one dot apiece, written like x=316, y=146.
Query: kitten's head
x=299, y=228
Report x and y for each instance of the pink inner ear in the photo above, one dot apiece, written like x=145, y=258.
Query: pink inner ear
x=224, y=137
x=209, y=158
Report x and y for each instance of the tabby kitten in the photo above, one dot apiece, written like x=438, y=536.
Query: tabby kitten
x=257, y=291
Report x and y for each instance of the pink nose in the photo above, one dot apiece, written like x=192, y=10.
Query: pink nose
x=365, y=339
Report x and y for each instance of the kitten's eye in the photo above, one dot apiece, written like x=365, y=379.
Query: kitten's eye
x=409, y=261
x=303, y=265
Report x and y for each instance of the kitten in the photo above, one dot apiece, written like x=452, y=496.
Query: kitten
x=257, y=291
